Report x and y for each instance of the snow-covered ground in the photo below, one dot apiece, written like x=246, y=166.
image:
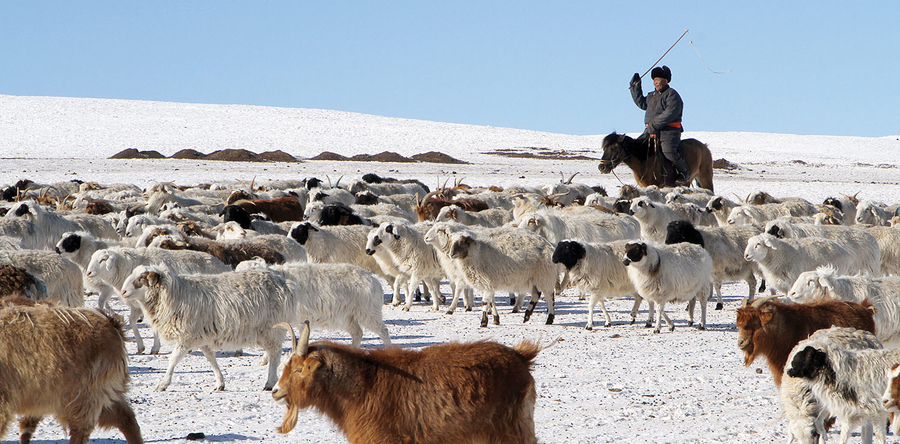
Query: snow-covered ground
x=616, y=384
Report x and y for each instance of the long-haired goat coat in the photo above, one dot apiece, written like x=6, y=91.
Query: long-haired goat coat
x=443, y=394
x=663, y=273
x=782, y=260
x=68, y=362
x=214, y=312
x=850, y=383
x=411, y=255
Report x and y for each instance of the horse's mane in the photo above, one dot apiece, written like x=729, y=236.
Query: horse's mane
x=627, y=143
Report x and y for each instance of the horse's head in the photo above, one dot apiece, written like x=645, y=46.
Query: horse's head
x=614, y=151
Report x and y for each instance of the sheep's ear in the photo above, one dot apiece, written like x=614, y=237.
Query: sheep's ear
x=650, y=204
x=768, y=243
x=826, y=284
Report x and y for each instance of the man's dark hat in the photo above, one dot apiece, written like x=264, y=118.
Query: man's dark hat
x=663, y=72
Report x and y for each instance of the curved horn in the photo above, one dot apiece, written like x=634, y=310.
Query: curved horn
x=329, y=181
x=759, y=302
x=338, y=183
x=562, y=177
x=569, y=182
x=445, y=184
x=286, y=326
x=252, y=190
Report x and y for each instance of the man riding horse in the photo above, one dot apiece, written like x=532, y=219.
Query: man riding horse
x=663, y=118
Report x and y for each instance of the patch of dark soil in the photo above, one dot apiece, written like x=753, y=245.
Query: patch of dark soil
x=722, y=164
x=233, y=155
x=276, y=156
x=385, y=156
x=132, y=153
x=328, y=155
x=188, y=154
x=436, y=157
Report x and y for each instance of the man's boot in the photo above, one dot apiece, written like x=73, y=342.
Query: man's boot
x=682, y=175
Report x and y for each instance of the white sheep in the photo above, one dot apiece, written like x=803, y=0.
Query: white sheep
x=590, y=227
x=726, y=247
x=597, y=269
x=411, y=255
x=109, y=267
x=665, y=273
x=883, y=293
x=137, y=224
x=162, y=193
x=782, y=260
x=506, y=259
x=491, y=218
x=849, y=383
x=214, y=312
x=79, y=246
x=387, y=188
x=863, y=246
x=61, y=276
x=333, y=296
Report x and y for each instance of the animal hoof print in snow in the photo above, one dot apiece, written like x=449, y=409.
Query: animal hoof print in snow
x=550, y=319
x=484, y=319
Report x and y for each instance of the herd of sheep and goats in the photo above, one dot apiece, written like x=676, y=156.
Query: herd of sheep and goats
x=223, y=266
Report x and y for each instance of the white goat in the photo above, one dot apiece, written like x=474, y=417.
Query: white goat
x=411, y=255
x=782, y=260
x=61, y=276
x=506, y=259
x=654, y=217
x=760, y=214
x=51, y=226
x=849, y=383
x=334, y=296
x=883, y=293
x=214, y=312
x=888, y=239
x=439, y=237
x=109, y=267
x=590, y=227
x=863, y=246
x=491, y=218
x=337, y=244
x=664, y=273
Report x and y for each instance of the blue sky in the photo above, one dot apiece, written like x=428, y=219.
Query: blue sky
x=802, y=67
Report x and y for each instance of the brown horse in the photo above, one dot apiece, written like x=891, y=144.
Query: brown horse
x=647, y=164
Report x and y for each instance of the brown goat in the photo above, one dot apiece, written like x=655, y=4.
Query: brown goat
x=430, y=206
x=279, y=209
x=771, y=328
x=68, y=362
x=18, y=282
x=447, y=393
x=99, y=207
x=231, y=253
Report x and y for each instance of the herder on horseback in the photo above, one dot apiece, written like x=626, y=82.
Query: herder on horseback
x=662, y=120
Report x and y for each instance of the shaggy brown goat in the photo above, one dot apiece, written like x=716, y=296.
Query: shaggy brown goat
x=231, y=253
x=99, y=207
x=771, y=328
x=279, y=209
x=16, y=282
x=431, y=205
x=68, y=362
x=446, y=393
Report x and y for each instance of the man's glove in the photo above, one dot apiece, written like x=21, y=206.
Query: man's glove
x=635, y=80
